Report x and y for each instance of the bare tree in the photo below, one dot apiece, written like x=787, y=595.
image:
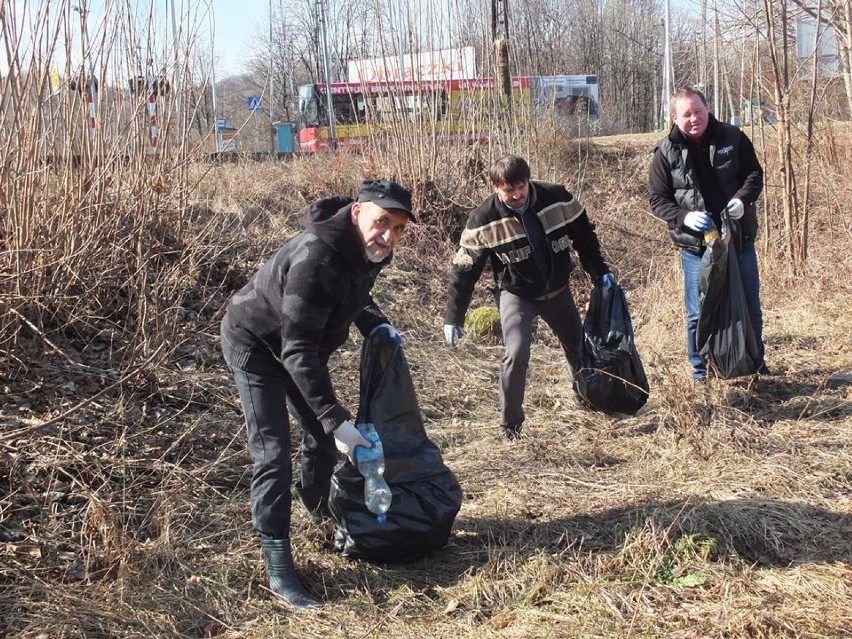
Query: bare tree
x=779, y=44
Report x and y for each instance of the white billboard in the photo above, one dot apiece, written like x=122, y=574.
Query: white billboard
x=447, y=64
x=827, y=51
x=567, y=94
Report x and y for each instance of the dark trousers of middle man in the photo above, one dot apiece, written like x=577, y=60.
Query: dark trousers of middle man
x=559, y=312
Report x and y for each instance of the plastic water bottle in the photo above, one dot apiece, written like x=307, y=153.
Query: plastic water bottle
x=371, y=465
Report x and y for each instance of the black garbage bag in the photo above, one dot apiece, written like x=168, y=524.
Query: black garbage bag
x=426, y=495
x=724, y=336
x=610, y=377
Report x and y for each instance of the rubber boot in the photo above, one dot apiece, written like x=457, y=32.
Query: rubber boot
x=282, y=575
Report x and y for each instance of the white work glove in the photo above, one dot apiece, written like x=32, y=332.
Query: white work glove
x=451, y=334
x=347, y=437
x=389, y=331
x=735, y=208
x=697, y=221
x=607, y=280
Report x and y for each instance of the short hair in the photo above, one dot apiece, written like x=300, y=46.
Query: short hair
x=510, y=169
x=685, y=93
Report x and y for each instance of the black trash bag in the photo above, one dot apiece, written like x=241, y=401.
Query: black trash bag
x=609, y=377
x=724, y=336
x=426, y=495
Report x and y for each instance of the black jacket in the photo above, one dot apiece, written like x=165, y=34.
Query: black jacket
x=732, y=171
x=493, y=233
x=298, y=308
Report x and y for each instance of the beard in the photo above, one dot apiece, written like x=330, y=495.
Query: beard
x=518, y=205
x=376, y=252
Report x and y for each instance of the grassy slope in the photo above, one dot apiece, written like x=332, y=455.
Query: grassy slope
x=717, y=512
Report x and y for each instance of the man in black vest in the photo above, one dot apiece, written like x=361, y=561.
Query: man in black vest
x=278, y=334
x=525, y=230
x=700, y=169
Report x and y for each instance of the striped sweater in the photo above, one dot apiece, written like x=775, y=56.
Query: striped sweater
x=494, y=234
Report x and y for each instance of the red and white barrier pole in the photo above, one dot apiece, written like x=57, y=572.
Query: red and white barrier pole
x=93, y=108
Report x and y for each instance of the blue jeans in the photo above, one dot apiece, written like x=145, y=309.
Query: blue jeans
x=751, y=284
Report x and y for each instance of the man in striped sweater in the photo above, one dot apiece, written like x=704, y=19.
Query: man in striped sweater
x=525, y=230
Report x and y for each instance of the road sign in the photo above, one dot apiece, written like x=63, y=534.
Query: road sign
x=228, y=141
x=221, y=124
x=253, y=103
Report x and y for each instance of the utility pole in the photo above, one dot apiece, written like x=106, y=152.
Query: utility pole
x=91, y=83
x=402, y=32
x=271, y=82
x=177, y=88
x=716, y=88
x=216, y=133
x=668, y=71
x=500, y=38
x=322, y=17
x=702, y=71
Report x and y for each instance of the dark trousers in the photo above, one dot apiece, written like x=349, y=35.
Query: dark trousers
x=516, y=318
x=263, y=396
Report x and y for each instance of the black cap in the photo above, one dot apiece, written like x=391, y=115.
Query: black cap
x=386, y=194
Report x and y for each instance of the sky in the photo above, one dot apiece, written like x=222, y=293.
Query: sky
x=239, y=23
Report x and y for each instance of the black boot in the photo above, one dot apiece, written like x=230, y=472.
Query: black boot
x=282, y=576
x=512, y=432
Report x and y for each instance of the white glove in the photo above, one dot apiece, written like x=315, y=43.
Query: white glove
x=697, y=221
x=347, y=437
x=735, y=208
x=451, y=334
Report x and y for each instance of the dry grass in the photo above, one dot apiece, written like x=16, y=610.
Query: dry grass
x=720, y=511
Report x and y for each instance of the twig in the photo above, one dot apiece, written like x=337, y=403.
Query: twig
x=36, y=427
x=41, y=334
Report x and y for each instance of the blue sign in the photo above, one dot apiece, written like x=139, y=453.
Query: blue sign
x=221, y=124
x=253, y=102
